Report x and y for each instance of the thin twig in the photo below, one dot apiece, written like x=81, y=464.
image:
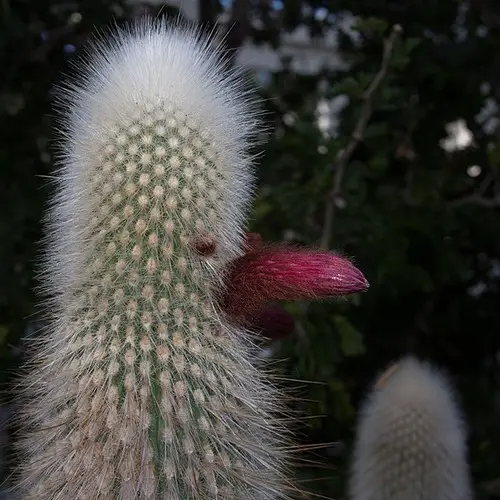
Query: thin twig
x=481, y=201
x=344, y=155
x=477, y=197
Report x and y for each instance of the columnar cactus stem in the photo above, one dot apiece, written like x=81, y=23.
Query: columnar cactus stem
x=411, y=439
x=144, y=387
x=141, y=388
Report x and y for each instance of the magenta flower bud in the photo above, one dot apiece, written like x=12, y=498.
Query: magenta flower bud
x=288, y=273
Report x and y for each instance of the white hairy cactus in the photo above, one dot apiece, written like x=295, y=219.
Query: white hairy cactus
x=140, y=388
x=411, y=439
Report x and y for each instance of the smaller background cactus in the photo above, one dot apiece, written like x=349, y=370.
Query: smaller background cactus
x=411, y=439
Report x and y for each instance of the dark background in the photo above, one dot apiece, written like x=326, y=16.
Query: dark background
x=422, y=222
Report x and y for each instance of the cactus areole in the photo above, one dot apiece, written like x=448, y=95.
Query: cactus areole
x=144, y=385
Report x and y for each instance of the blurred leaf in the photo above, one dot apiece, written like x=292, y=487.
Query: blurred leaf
x=348, y=86
x=375, y=25
x=411, y=43
x=351, y=340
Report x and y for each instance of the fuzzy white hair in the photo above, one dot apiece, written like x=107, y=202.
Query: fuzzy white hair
x=137, y=68
x=140, y=388
x=411, y=438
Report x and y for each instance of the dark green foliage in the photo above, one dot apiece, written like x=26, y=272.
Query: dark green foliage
x=409, y=220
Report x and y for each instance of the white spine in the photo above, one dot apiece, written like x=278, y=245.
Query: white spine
x=140, y=388
x=411, y=441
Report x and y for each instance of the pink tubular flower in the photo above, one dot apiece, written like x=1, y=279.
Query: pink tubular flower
x=282, y=272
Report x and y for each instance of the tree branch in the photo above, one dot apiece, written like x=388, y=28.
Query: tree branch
x=474, y=199
x=344, y=155
x=478, y=196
